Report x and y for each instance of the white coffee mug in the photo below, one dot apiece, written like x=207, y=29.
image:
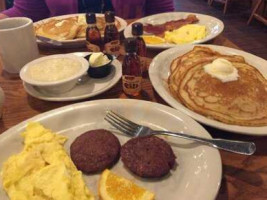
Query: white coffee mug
x=2, y=99
x=17, y=43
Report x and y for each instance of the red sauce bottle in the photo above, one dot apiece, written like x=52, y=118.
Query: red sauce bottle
x=93, y=36
x=131, y=69
x=111, y=35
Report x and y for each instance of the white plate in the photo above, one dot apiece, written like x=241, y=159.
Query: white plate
x=75, y=42
x=159, y=72
x=197, y=176
x=89, y=88
x=214, y=26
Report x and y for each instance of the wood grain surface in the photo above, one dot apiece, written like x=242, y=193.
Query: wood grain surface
x=244, y=177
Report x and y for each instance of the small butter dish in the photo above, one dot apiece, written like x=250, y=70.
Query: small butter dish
x=96, y=69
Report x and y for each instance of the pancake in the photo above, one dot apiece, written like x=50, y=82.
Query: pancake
x=196, y=56
x=100, y=23
x=69, y=28
x=82, y=31
x=62, y=29
x=180, y=64
x=242, y=102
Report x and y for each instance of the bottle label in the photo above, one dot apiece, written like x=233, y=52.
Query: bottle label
x=143, y=63
x=131, y=84
x=113, y=47
x=92, y=47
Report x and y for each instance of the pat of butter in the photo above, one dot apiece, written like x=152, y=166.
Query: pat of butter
x=59, y=24
x=222, y=69
x=81, y=19
x=98, y=59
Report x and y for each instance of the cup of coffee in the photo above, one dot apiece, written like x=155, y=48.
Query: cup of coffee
x=2, y=99
x=17, y=43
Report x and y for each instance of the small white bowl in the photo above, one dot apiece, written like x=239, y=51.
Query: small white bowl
x=55, y=87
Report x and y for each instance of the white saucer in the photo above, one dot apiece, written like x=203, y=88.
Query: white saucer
x=89, y=87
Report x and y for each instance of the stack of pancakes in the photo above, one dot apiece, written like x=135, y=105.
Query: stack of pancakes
x=241, y=102
x=69, y=28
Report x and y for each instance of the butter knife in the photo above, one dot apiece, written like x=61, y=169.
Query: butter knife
x=49, y=40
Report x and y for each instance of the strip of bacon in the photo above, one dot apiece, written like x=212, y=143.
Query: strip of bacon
x=169, y=26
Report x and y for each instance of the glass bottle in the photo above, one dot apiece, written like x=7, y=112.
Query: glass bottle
x=137, y=32
x=111, y=35
x=93, y=36
x=131, y=69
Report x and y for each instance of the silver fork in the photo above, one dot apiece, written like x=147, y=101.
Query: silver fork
x=136, y=130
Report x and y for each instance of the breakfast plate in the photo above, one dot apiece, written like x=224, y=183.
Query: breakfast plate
x=74, y=42
x=213, y=25
x=159, y=72
x=199, y=169
x=87, y=87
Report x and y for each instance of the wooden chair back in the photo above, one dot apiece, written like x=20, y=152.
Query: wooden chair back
x=260, y=5
x=225, y=2
x=2, y=5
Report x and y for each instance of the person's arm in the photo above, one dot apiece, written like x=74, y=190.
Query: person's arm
x=158, y=6
x=34, y=9
x=2, y=16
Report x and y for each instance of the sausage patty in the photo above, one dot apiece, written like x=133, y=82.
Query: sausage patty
x=148, y=157
x=95, y=151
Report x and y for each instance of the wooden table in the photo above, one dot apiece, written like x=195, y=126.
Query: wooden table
x=244, y=177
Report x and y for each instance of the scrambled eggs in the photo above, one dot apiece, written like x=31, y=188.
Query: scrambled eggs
x=186, y=34
x=43, y=170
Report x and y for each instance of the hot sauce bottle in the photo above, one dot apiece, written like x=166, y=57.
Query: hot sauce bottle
x=137, y=32
x=93, y=36
x=131, y=69
x=111, y=35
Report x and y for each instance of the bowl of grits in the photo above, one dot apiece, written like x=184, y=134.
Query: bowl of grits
x=54, y=74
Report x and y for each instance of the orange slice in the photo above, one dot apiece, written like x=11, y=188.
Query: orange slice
x=113, y=187
x=152, y=39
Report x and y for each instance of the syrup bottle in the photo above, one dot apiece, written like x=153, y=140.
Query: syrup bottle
x=131, y=69
x=137, y=32
x=93, y=36
x=111, y=35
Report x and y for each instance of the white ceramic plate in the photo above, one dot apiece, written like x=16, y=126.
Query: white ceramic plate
x=75, y=42
x=197, y=176
x=88, y=88
x=214, y=26
x=159, y=72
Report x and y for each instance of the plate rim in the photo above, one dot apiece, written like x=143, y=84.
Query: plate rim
x=243, y=130
x=42, y=116
x=79, y=40
x=166, y=45
x=114, y=81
